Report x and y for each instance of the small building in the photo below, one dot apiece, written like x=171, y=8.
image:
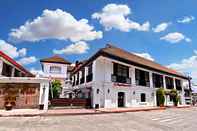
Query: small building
x=114, y=78
x=19, y=87
x=57, y=68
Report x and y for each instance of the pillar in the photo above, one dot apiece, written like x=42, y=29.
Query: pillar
x=151, y=79
x=1, y=67
x=132, y=71
x=164, y=82
x=174, y=82
x=86, y=73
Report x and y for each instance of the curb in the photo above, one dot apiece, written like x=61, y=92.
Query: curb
x=137, y=110
x=97, y=112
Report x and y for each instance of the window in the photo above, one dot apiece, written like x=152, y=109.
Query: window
x=73, y=80
x=77, y=82
x=121, y=70
x=90, y=69
x=169, y=83
x=17, y=73
x=55, y=69
x=90, y=75
x=120, y=73
x=142, y=78
x=157, y=80
x=178, y=84
x=82, y=76
x=143, y=97
x=7, y=70
x=97, y=91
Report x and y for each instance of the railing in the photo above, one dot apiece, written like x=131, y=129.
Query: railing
x=143, y=83
x=120, y=79
x=89, y=77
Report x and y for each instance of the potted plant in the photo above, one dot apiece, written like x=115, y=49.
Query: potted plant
x=160, y=97
x=10, y=98
x=9, y=101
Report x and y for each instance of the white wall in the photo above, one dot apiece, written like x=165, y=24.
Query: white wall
x=46, y=70
x=108, y=92
x=102, y=80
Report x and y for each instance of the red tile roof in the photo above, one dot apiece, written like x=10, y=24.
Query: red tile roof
x=12, y=61
x=122, y=55
x=55, y=59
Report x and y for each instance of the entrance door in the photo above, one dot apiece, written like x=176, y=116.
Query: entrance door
x=121, y=98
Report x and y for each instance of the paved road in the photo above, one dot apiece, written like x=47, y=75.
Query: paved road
x=168, y=120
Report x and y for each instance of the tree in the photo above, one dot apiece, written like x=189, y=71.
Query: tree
x=56, y=88
x=160, y=97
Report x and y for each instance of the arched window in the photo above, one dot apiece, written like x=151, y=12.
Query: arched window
x=55, y=69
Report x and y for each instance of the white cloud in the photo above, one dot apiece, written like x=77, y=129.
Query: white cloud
x=161, y=27
x=116, y=16
x=37, y=72
x=145, y=55
x=188, y=65
x=175, y=37
x=22, y=52
x=11, y=50
x=55, y=24
x=186, y=19
x=27, y=60
x=76, y=48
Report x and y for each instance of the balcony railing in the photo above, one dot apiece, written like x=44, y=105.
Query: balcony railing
x=120, y=79
x=89, y=77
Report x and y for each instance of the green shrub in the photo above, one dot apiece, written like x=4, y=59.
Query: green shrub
x=56, y=88
x=160, y=97
x=175, y=96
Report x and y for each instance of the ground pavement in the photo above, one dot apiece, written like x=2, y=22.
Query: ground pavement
x=158, y=120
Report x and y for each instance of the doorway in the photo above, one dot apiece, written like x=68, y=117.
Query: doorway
x=121, y=97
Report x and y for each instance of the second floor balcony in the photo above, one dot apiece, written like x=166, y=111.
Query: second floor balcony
x=120, y=79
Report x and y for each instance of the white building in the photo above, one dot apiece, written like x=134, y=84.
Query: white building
x=57, y=68
x=114, y=78
x=19, y=84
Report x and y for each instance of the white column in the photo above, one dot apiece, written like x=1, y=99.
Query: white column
x=86, y=73
x=151, y=79
x=94, y=71
x=164, y=82
x=174, y=82
x=1, y=67
x=46, y=95
x=132, y=71
x=13, y=71
x=182, y=93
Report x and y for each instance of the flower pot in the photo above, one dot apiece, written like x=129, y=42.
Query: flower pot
x=41, y=106
x=8, y=107
x=162, y=105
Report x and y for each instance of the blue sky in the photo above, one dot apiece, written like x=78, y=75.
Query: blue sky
x=164, y=31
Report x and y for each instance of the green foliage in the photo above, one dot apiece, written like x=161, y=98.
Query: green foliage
x=56, y=88
x=160, y=97
x=175, y=96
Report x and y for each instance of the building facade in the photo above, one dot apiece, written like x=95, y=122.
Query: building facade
x=19, y=87
x=57, y=68
x=115, y=78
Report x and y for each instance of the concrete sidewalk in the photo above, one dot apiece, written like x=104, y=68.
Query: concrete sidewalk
x=59, y=112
